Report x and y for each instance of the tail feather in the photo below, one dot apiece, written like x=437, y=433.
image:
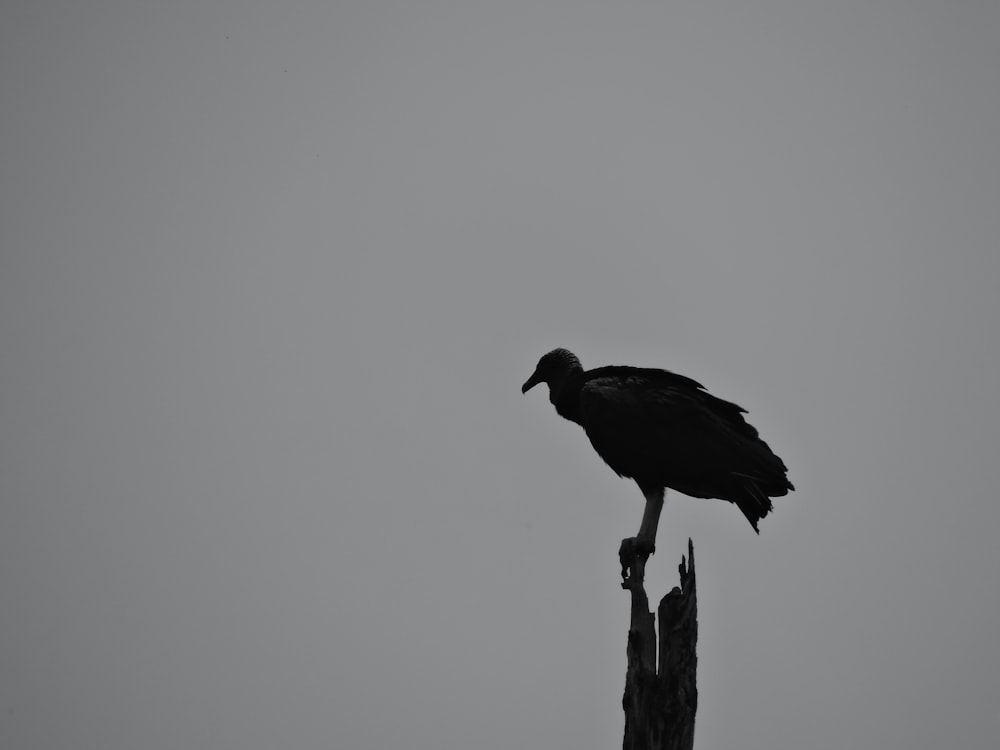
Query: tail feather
x=753, y=501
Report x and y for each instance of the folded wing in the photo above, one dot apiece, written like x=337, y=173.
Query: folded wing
x=665, y=430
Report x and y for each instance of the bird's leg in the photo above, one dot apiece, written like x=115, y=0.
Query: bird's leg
x=634, y=551
x=645, y=541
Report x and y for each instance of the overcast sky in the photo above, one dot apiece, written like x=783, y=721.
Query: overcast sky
x=272, y=275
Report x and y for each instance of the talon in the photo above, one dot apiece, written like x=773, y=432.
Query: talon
x=633, y=553
x=626, y=554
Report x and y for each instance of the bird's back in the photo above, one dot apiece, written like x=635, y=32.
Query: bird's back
x=664, y=429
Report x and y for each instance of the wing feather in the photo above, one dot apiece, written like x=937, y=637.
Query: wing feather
x=660, y=428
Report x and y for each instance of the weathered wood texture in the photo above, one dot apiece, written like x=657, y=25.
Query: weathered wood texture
x=660, y=700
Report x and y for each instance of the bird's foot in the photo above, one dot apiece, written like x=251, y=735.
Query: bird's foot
x=633, y=553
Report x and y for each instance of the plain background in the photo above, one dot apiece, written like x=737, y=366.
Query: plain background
x=273, y=273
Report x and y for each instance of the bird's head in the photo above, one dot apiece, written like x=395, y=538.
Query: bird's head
x=553, y=369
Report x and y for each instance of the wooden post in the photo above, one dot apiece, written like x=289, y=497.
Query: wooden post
x=660, y=701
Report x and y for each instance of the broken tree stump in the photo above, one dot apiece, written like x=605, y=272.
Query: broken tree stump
x=661, y=698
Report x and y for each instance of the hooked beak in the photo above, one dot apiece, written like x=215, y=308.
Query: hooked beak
x=531, y=382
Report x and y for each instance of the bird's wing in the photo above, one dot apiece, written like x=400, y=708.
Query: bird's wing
x=661, y=424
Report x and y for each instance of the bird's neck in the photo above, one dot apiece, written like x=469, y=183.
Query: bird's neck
x=565, y=396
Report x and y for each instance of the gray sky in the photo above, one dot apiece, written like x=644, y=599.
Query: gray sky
x=272, y=275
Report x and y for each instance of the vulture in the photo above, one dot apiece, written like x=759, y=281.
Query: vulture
x=664, y=430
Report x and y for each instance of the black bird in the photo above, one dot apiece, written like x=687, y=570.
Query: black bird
x=664, y=430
